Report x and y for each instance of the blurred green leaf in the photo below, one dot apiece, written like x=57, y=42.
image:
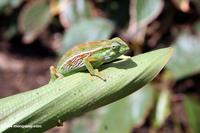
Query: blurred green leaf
x=12, y=3
x=123, y=115
x=85, y=31
x=185, y=61
x=142, y=13
x=197, y=27
x=73, y=11
x=86, y=124
x=76, y=94
x=192, y=108
x=162, y=108
x=147, y=10
x=10, y=32
x=34, y=17
x=116, y=118
x=141, y=104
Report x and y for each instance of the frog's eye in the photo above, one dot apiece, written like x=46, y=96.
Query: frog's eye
x=115, y=46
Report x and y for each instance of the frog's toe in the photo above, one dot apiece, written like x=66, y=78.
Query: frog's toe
x=59, y=75
x=98, y=74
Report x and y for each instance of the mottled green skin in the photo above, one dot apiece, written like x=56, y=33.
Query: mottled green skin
x=96, y=53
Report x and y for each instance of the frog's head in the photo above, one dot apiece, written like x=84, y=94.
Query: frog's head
x=118, y=46
x=114, y=48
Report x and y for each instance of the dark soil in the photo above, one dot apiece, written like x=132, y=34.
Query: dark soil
x=23, y=67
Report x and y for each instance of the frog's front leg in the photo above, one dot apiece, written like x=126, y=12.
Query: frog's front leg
x=123, y=57
x=55, y=74
x=94, y=72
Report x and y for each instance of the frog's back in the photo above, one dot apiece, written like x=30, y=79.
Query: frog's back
x=81, y=48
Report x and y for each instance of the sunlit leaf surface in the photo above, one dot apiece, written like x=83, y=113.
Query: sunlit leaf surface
x=76, y=94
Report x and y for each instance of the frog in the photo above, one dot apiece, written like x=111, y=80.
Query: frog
x=88, y=56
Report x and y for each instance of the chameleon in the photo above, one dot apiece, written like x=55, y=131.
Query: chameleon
x=88, y=56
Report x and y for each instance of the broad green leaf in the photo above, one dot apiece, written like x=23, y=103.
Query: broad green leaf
x=76, y=94
x=34, y=17
x=129, y=112
x=192, y=108
x=85, y=31
x=185, y=61
x=147, y=10
x=162, y=108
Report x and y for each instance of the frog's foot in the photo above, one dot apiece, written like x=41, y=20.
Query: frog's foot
x=59, y=76
x=95, y=72
x=123, y=57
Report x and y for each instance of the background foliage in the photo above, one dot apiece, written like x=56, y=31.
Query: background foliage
x=34, y=33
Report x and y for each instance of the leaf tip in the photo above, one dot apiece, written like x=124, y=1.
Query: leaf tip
x=170, y=51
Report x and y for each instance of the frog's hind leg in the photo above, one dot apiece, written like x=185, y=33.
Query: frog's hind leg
x=94, y=72
x=54, y=74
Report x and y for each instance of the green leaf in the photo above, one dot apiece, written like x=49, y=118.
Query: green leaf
x=192, y=108
x=123, y=115
x=196, y=27
x=34, y=17
x=147, y=10
x=12, y=3
x=162, y=108
x=86, y=124
x=74, y=11
x=142, y=13
x=85, y=31
x=185, y=61
x=76, y=94
x=10, y=32
x=116, y=118
x=141, y=104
